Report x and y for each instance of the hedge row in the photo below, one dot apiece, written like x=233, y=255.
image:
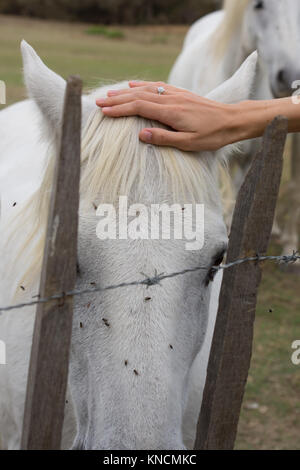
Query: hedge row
x=112, y=11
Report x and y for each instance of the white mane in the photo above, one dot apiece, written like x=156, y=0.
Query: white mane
x=113, y=163
x=233, y=13
x=114, y=160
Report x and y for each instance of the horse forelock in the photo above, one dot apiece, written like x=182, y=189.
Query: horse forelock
x=114, y=162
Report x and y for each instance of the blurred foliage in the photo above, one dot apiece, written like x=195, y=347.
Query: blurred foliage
x=112, y=11
x=99, y=30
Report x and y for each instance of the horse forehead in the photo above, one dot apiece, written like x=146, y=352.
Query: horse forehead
x=124, y=260
x=279, y=24
x=284, y=25
x=275, y=8
x=284, y=9
x=279, y=11
x=289, y=13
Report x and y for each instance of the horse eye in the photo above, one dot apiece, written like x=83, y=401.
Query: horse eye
x=259, y=5
x=219, y=259
x=212, y=272
x=78, y=271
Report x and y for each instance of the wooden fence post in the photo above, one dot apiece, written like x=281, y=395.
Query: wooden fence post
x=48, y=372
x=231, y=349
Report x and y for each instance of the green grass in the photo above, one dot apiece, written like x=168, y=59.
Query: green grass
x=274, y=382
x=107, y=32
x=98, y=58
x=148, y=53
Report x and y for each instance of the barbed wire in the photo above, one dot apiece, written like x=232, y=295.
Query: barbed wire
x=155, y=280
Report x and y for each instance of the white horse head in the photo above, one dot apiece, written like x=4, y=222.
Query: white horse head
x=272, y=28
x=133, y=348
x=217, y=44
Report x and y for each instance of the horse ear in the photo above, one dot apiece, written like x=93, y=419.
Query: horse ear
x=44, y=86
x=47, y=89
x=239, y=86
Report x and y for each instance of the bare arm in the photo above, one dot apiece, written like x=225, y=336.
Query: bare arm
x=196, y=123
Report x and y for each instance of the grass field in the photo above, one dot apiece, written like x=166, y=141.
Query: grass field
x=144, y=53
x=271, y=411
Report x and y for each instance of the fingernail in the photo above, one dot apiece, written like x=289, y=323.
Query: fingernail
x=101, y=101
x=112, y=92
x=148, y=136
x=106, y=109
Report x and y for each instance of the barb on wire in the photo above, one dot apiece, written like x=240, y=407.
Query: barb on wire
x=155, y=280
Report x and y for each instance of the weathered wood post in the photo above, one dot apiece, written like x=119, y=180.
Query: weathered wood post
x=48, y=372
x=231, y=349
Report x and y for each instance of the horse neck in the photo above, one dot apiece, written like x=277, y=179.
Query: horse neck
x=223, y=64
x=236, y=53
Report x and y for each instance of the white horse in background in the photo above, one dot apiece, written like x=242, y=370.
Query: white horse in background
x=217, y=44
x=133, y=382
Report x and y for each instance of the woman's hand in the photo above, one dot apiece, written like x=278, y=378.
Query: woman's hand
x=195, y=123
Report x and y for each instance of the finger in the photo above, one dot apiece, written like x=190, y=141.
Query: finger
x=155, y=85
x=180, y=140
x=145, y=86
x=135, y=84
x=149, y=88
x=145, y=109
x=128, y=98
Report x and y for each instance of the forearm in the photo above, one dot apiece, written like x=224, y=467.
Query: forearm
x=196, y=123
x=252, y=117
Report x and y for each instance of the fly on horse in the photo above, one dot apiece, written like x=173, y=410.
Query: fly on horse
x=215, y=47
x=133, y=382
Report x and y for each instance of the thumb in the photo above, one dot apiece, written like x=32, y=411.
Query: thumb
x=180, y=140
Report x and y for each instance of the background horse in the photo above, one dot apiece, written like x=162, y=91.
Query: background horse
x=131, y=380
x=215, y=47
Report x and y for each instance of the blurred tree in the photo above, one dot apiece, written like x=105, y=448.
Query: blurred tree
x=112, y=11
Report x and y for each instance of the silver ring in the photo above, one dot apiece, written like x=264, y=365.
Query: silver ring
x=161, y=90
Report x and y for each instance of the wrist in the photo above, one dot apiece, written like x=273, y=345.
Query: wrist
x=250, y=118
